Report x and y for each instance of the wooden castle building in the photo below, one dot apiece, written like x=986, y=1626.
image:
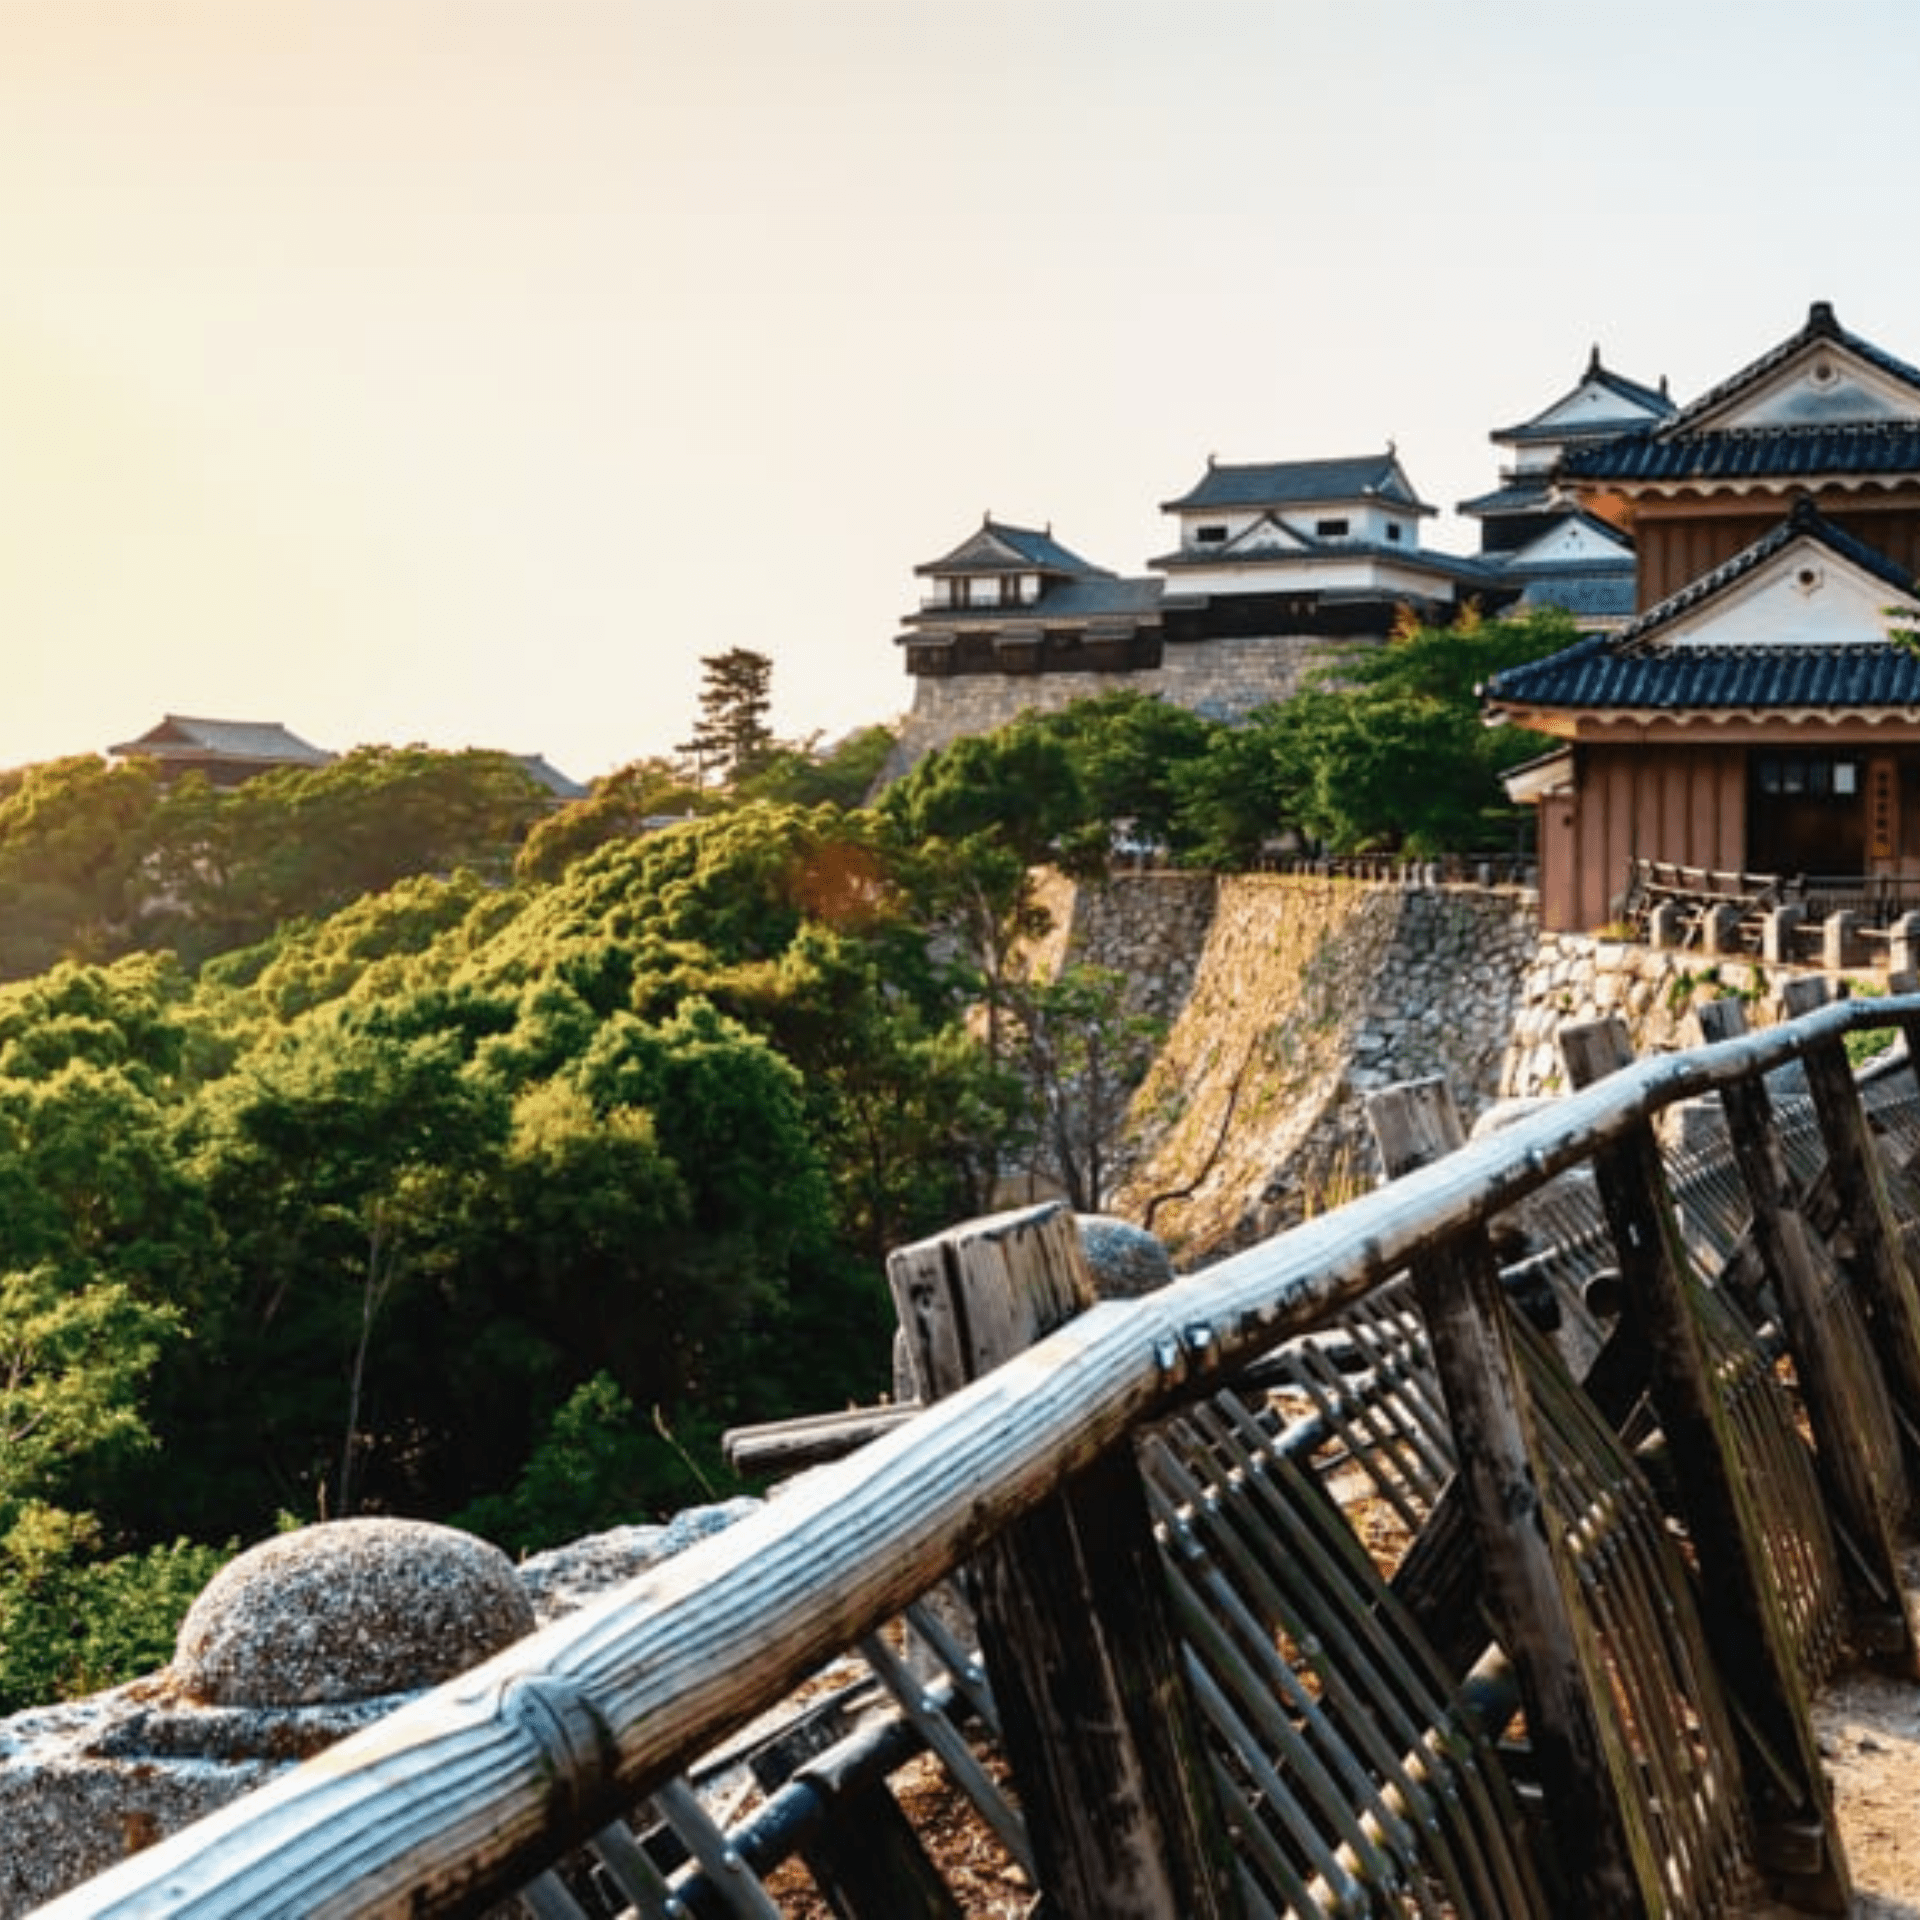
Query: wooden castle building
x=226, y=752
x=1757, y=715
x=1273, y=563
x=1548, y=548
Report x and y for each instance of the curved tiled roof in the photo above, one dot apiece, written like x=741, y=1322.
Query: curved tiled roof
x=1593, y=674
x=1036, y=546
x=1626, y=669
x=1596, y=595
x=1420, y=559
x=1751, y=453
x=267, y=741
x=1293, y=483
x=1527, y=497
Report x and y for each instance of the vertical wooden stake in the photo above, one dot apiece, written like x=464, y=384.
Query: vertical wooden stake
x=1607, y=1865
x=1075, y=1618
x=1830, y=1380
x=1880, y=1268
x=1746, y=1626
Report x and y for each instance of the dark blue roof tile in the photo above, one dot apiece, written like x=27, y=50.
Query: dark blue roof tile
x=1292, y=483
x=1752, y=453
x=1037, y=547
x=1631, y=668
x=1820, y=325
x=1593, y=674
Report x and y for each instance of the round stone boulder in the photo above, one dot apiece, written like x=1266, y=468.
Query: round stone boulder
x=1127, y=1261
x=348, y=1610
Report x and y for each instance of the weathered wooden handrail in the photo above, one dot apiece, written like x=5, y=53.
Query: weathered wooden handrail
x=462, y=1796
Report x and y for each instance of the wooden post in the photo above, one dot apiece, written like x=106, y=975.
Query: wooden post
x=1609, y=1869
x=1859, y=1186
x=1801, y=1272
x=1903, y=983
x=1076, y=1621
x=1745, y=1622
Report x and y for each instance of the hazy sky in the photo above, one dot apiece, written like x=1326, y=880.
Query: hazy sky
x=462, y=370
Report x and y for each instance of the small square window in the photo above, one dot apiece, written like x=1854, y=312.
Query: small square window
x=1209, y=536
x=1330, y=529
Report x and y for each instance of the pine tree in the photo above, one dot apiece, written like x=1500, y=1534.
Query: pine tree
x=731, y=736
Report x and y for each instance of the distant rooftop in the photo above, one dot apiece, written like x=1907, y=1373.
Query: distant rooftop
x=560, y=785
x=1293, y=483
x=256, y=744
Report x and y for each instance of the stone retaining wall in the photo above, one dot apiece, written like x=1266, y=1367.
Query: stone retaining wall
x=1577, y=976
x=1289, y=998
x=1224, y=679
x=1303, y=994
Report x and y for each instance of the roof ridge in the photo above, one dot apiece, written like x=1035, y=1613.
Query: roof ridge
x=1821, y=324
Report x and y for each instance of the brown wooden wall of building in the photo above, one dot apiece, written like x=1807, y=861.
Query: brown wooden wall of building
x=1676, y=547
x=1687, y=806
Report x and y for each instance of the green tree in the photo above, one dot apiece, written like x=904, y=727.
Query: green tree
x=342, y=1161
x=1128, y=751
x=1084, y=1050
x=807, y=775
x=75, y=836
x=1383, y=749
x=598, y=1465
x=1016, y=787
x=731, y=736
x=627, y=802
x=301, y=842
x=74, y=1353
x=76, y=1617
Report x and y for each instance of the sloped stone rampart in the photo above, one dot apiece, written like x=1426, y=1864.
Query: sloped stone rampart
x=1151, y=927
x=1308, y=992
x=1290, y=997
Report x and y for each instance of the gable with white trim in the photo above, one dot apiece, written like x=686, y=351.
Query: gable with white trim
x=1826, y=384
x=1805, y=596
x=1572, y=542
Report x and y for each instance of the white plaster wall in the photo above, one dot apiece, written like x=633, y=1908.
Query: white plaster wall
x=1805, y=597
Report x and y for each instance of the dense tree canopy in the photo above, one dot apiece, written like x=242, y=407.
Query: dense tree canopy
x=385, y=1137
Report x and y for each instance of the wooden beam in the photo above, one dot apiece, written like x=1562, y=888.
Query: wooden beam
x=1833, y=1379
x=1608, y=1868
x=1076, y=1623
x=1746, y=1623
x=1880, y=1268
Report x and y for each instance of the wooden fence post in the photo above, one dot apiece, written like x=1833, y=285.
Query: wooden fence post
x=1608, y=1866
x=1833, y=1376
x=1860, y=1188
x=1076, y=1622
x=1746, y=1624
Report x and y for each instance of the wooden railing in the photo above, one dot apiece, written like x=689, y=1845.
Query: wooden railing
x=1212, y=1700
x=1702, y=907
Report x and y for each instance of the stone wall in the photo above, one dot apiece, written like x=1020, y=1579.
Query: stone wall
x=1578, y=976
x=1224, y=679
x=1289, y=998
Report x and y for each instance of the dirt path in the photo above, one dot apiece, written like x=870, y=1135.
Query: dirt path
x=1869, y=1731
